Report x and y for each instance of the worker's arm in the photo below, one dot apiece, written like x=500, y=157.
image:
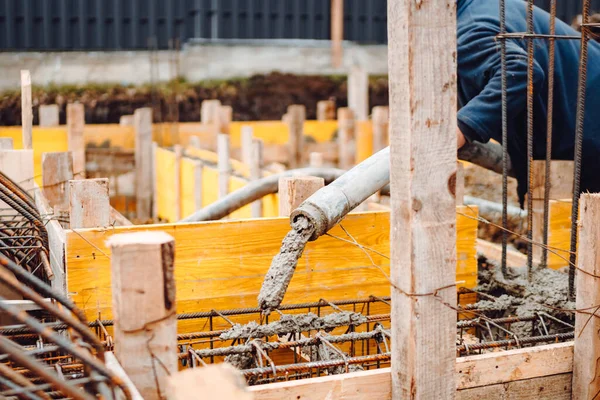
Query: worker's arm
x=479, y=66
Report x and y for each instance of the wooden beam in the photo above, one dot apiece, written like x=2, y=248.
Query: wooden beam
x=358, y=93
x=57, y=171
x=326, y=110
x=6, y=143
x=225, y=117
x=118, y=219
x=337, y=32
x=154, y=183
x=26, y=111
x=422, y=74
x=209, y=111
x=145, y=326
x=220, y=381
x=75, y=128
x=224, y=164
x=380, y=119
x=294, y=190
x=346, y=137
x=493, y=251
x=177, y=180
x=89, y=203
x=296, y=116
x=48, y=115
x=247, y=137
x=256, y=166
x=315, y=160
x=142, y=124
x=586, y=380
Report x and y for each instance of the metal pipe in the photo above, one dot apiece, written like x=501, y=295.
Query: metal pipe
x=326, y=207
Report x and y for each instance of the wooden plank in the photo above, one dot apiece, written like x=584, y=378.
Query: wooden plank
x=337, y=32
x=57, y=171
x=75, y=128
x=155, y=190
x=220, y=381
x=18, y=166
x=296, y=115
x=493, y=251
x=358, y=92
x=142, y=122
x=326, y=110
x=6, y=143
x=26, y=111
x=209, y=111
x=346, y=137
x=294, y=190
x=422, y=65
x=48, y=115
x=145, y=325
x=530, y=373
x=225, y=117
x=586, y=379
x=234, y=253
x=89, y=203
x=315, y=160
x=118, y=219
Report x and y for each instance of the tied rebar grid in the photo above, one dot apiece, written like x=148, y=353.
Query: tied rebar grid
x=531, y=36
x=342, y=336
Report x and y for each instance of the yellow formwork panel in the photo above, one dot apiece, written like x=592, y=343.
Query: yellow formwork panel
x=364, y=140
x=559, y=233
x=221, y=265
x=210, y=186
x=165, y=183
x=236, y=183
x=188, y=187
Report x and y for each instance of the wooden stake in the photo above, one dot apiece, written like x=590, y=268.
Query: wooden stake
x=26, y=111
x=247, y=136
x=89, y=203
x=75, y=126
x=337, y=32
x=294, y=190
x=6, y=143
x=381, y=137
x=586, y=381
x=256, y=165
x=346, y=130
x=326, y=110
x=296, y=115
x=48, y=115
x=143, y=298
x=224, y=165
x=422, y=74
x=209, y=111
x=177, y=179
x=126, y=120
x=316, y=160
x=221, y=381
x=57, y=171
x=225, y=117
x=142, y=124
x=358, y=93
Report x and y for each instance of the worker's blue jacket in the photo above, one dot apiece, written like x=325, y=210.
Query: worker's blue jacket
x=479, y=87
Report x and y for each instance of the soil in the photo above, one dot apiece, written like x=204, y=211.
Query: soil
x=258, y=98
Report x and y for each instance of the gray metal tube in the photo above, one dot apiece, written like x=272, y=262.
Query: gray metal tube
x=256, y=190
x=329, y=205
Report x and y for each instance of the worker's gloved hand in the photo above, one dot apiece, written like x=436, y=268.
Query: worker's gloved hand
x=460, y=138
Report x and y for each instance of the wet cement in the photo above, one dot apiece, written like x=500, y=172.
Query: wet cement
x=284, y=264
x=516, y=296
x=294, y=323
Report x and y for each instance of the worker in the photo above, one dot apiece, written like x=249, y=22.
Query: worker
x=480, y=95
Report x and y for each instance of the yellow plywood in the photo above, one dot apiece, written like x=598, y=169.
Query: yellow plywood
x=211, y=157
x=364, y=140
x=559, y=234
x=188, y=186
x=165, y=183
x=271, y=205
x=210, y=186
x=109, y=135
x=221, y=265
x=236, y=183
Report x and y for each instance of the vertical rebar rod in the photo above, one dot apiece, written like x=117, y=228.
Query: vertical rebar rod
x=549, y=126
x=504, y=137
x=578, y=143
x=530, y=60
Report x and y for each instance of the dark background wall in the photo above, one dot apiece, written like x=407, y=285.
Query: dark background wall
x=63, y=25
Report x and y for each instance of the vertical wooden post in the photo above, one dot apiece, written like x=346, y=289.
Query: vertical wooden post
x=126, y=120
x=48, y=115
x=315, y=160
x=346, y=128
x=198, y=166
x=337, y=32
x=6, y=143
x=209, y=111
x=75, y=126
x=143, y=297
x=326, y=110
x=358, y=93
x=294, y=190
x=142, y=124
x=380, y=119
x=57, y=171
x=154, y=183
x=26, y=111
x=225, y=117
x=586, y=381
x=256, y=165
x=177, y=180
x=224, y=164
x=89, y=203
x=422, y=73
x=295, y=117
x=247, y=143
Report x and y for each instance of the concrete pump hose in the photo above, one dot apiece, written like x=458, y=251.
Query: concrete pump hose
x=255, y=191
